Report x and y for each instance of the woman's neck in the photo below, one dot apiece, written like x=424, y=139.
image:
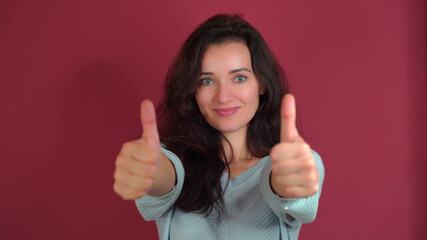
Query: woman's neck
x=238, y=143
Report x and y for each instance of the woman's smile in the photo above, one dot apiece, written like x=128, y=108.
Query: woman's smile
x=226, y=112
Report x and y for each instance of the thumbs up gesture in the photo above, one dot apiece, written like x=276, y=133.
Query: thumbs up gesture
x=138, y=160
x=293, y=172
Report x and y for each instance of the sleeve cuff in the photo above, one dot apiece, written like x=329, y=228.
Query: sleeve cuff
x=151, y=207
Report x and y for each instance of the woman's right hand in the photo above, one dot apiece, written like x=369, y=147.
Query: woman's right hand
x=138, y=160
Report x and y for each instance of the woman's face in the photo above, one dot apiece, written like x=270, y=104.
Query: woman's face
x=228, y=93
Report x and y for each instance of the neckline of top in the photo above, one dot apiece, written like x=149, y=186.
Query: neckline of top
x=244, y=175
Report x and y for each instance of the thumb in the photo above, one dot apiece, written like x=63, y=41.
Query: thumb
x=288, y=129
x=149, y=126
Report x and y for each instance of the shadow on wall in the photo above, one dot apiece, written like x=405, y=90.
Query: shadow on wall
x=98, y=106
x=418, y=132
x=100, y=112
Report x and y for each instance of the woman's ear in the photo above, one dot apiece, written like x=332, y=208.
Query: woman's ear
x=261, y=90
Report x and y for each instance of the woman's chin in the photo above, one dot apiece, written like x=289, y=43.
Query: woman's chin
x=228, y=129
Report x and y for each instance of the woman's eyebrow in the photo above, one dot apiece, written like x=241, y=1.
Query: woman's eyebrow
x=206, y=73
x=231, y=72
x=240, y=70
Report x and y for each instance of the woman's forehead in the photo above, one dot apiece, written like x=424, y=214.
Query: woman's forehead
x=226, y=56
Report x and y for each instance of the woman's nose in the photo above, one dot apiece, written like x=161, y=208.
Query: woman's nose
x=224, y=93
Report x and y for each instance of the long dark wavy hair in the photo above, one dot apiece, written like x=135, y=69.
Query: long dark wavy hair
x=184, y=130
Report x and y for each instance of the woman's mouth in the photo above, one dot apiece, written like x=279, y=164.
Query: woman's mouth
x=226, y=112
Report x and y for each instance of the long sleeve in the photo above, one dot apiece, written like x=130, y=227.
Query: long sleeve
x=293, y=211
x=153, y=208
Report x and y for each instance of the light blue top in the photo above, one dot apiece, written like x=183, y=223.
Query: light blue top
x=253, y=210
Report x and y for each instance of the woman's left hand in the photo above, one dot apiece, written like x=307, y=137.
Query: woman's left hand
x=293, y=172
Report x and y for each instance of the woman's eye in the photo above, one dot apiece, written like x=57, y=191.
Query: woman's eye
x=240, y=79
x=206, y=81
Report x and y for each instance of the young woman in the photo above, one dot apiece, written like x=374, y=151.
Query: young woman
x=229, y=162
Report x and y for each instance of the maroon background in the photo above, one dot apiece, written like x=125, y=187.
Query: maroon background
x=73, y=73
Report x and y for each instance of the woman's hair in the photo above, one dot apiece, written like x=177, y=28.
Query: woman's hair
x=184, y=130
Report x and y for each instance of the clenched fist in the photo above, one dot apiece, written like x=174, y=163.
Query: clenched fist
x=294, y=173
x=138, y=160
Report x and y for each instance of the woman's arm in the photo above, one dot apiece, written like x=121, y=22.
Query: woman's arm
x=164, y=179
x=155, y=207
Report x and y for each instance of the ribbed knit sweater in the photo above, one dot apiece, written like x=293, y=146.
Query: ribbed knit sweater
x=252, y=209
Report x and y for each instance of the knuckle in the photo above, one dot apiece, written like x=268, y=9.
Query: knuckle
x=141, y=194
x=305, y=165
x=278, y=150
x=289, y=192
x=274, y=148
x=116, y=188
x=308, y=154
x=120, y=162
x=304, y=148
x=308, y=163
x=313, y=167
x=131, y=194
x=127, y=146
x=118, y=176
x=316, y=177
x=125, y=193
x=314, y=189
x=127, y=197
x=153, y=156
x=313, y=177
